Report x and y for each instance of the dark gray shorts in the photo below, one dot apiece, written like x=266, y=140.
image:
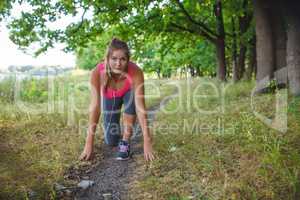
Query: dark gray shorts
x=111, y=110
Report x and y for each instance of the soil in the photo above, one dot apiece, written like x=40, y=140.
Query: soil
x=111, y=178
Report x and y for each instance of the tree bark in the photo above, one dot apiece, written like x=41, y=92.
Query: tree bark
x=280, y=42
x=264, y=44
x=235, y=70
x=244, y=23
x=220, y=48
x=220, y=41
x=198, y=71
x=293, y=48
x=158, y=73
x=241, y=60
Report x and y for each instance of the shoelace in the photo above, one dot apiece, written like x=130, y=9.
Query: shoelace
x=123, y=148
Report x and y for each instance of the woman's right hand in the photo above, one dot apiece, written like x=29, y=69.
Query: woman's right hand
x=88, y=148
x=87, y=152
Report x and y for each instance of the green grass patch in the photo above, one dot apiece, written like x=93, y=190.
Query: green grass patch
x=211, y=145
x=43, y=131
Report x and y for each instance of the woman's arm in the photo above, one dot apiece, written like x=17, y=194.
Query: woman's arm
x=94, y=114
x=142, y=113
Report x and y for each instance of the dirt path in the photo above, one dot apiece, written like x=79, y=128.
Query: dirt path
x=112, y=178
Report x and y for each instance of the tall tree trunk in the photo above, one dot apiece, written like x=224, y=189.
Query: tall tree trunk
x=220, y=47
x=244, y=24
x=192, y=70
x=280, y=42
x=220, y=41
x=252, y=59
x=293, y=47
x=264, y=44
x=235, y=70
x=158, y=73
x=241, y=60
x=198, y=71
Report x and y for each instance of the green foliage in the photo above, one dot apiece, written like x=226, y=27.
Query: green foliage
x=5, y=7
x=165, y=54
x=87, y=57
x=7, y=90
x=34, y=90
x=31, y=90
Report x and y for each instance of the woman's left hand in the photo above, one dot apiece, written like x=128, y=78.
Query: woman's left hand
x=148, y=152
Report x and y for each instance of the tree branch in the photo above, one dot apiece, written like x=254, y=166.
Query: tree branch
x=142, y=25
x=199, y=32
x=81, y=22
x=200, y=24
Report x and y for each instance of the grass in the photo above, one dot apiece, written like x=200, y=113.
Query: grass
x=214, y=146
x=41, y=140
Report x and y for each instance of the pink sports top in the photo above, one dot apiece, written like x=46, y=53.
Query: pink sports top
x=110, y=92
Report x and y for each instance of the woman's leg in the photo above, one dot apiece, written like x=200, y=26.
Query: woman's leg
x=128, y=123
x=128, y=120
x=111, y=118
x=129, y=116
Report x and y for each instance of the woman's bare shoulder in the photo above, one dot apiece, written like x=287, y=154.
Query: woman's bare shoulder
x=95, y=76
x=137, y=71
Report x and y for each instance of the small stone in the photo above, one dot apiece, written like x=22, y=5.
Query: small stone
x=107, y=196
x=84, y=184
x=59, y=187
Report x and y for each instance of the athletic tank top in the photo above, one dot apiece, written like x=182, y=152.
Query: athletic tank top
x=127, y=85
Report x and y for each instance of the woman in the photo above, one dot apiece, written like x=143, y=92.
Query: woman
x=117, y=81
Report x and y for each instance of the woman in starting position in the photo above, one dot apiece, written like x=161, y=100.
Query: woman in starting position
x=117, y=81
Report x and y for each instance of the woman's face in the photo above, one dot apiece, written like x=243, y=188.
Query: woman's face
x=118, y=61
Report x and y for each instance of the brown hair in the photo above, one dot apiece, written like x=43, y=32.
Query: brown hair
x=115, y=44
